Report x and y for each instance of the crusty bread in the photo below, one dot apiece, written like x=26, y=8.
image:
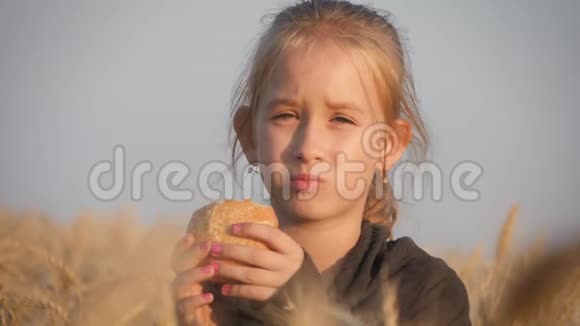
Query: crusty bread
x=213, y=222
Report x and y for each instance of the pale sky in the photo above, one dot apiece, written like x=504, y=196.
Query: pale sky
x=498, y=83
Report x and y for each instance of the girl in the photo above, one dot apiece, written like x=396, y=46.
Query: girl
x=327, y=78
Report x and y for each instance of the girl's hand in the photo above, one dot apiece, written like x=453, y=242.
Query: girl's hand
x=192, y=306
x=269, y=269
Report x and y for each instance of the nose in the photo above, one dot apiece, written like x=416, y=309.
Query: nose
x=309, y=142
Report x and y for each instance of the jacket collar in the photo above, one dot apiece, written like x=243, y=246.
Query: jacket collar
x=356, y=276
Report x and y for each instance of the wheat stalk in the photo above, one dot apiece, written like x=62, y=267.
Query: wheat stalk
x=6, y=315
x=69, y=275
x=542, y=283
x=506, y=234
x=390, y=305
x=14, y=274
x=106, y=258
x=41, y=301
x=132, y=313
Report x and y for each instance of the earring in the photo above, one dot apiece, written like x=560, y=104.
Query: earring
x=253, y=168
x=386, y=178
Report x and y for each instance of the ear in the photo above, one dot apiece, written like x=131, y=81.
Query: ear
x=397, y=144
x=244, y=127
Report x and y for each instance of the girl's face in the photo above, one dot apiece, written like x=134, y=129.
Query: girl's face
x=313, y=118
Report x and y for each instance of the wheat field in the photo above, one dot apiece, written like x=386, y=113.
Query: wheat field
x=113, y=270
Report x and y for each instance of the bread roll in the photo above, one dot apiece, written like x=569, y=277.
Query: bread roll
x=213, y=222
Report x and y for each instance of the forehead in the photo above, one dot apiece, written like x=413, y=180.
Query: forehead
x=324, y=71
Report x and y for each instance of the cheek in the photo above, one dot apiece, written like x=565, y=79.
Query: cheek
x=357, y=165
x=265, y=144
x=354, y=150
x=271, y=143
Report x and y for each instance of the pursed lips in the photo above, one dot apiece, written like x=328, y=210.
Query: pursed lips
x=304, y=181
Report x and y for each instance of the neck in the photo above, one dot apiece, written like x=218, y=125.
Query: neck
x=327, y=240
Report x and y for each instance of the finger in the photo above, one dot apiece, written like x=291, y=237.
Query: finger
x=187, y=308
x=253, y=292
x=248, y=275
x=185, y=242
x=266, y=259
x=181, y=246
x=190, y=257
x=188, y=282
x=275, y=238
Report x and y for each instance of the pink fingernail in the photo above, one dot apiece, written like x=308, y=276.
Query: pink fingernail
x=207, y=296
x=237, y=228
x=226, y=288
x=216, y=249
x=207, y=269
x=215, y=266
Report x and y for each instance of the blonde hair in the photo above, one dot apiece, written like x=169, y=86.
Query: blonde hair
x=362, y=28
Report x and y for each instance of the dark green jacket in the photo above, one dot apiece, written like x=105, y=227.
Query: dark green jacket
x=428, y=291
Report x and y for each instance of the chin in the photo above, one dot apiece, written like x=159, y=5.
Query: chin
x=312, y=208
x=304, y=211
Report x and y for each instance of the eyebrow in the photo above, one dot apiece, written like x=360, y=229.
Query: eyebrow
x=344, y=106
x=281, y=101
x=290, y=102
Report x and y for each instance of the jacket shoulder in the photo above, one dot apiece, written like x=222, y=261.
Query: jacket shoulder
x=428, y=290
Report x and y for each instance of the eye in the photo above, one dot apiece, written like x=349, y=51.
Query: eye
x=342, y=119
x=284, y=116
